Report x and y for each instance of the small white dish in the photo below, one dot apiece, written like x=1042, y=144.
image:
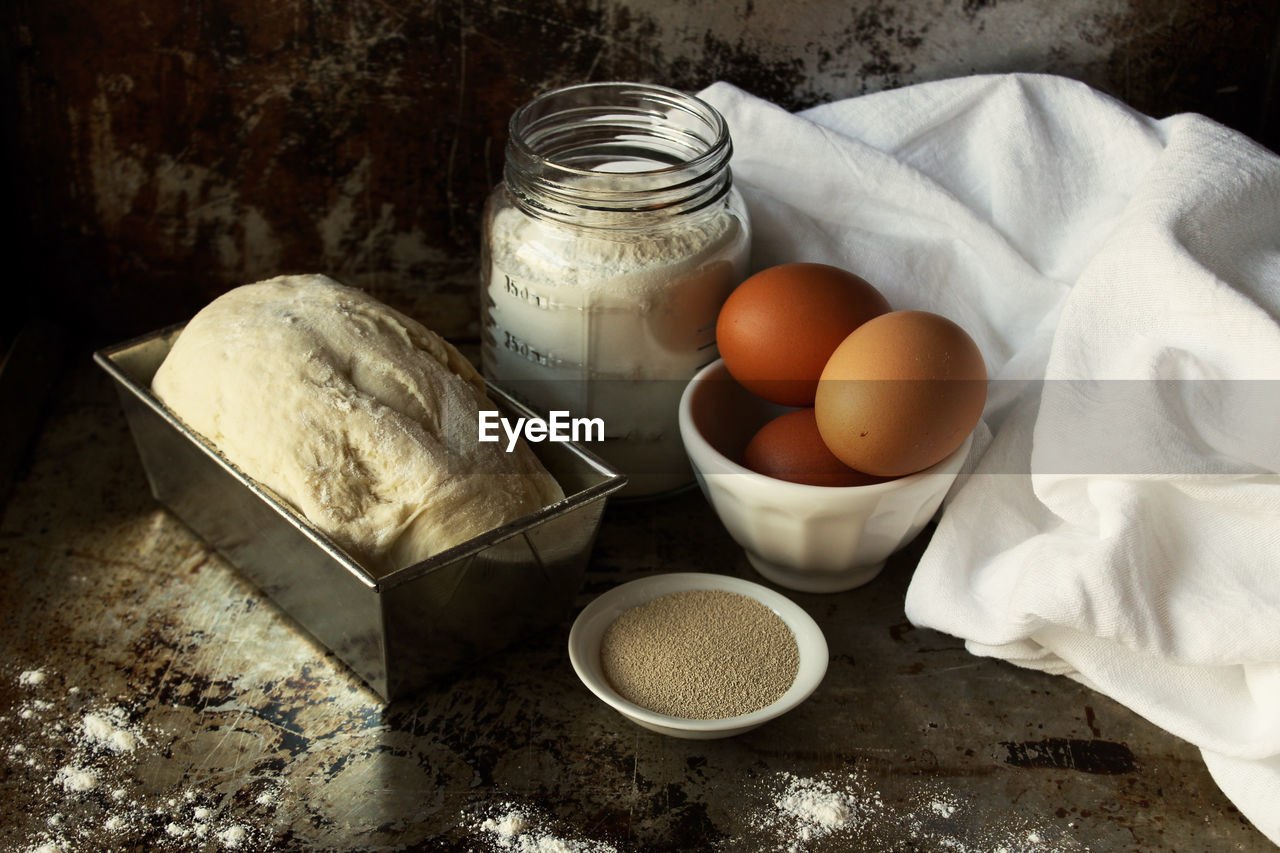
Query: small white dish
x=588, y=630
x=807, y=538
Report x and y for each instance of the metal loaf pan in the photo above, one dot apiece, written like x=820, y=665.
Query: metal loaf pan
x=397, y=630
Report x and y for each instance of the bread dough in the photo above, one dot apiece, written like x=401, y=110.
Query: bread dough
x=360, y=417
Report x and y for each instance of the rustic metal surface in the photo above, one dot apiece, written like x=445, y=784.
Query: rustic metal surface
x=248, y=737
x=162, y=152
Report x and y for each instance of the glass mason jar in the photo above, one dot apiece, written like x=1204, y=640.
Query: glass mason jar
x=609, y=247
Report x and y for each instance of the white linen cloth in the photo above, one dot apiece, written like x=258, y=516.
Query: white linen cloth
x=1122, y=277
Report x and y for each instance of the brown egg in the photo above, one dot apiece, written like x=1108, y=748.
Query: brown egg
x=790, y=448
x=779, y=327
x=900, y=393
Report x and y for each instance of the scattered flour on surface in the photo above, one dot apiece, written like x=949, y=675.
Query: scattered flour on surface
x=233, y=836
x=803, y=810
x=942, y=808
x=520, y=831
x=507, y=826
x=849, y=812
x=97, y=753
x=77, y=778
x=105, y=733
x=94, y=782
x=816, y=808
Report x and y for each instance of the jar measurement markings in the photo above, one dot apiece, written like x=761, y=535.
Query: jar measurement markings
x=521, y=348
x=522, y=292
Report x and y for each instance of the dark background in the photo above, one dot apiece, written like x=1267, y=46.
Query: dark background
x=157, y=152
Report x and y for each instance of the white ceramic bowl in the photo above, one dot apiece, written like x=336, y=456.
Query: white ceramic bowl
x=588, y=630
x=808, y=538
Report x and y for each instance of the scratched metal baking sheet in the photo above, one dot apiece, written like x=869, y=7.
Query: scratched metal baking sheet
x=399, y=630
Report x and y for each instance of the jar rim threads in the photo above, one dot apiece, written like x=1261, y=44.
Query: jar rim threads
x=584, y=153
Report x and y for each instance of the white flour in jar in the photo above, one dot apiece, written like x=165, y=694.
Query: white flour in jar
x=633, y=311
